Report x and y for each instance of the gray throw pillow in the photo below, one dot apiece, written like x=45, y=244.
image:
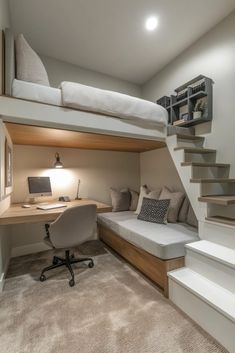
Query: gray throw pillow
x=153, y=210
x=183, y=212
x=134, y=200
x=175, y=204
x=191, y=218
x=120, y=199
x=29, y=66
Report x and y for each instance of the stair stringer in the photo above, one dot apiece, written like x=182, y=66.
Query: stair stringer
x=193, y=190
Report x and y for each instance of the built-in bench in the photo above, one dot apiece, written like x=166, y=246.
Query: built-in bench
x=153, y=248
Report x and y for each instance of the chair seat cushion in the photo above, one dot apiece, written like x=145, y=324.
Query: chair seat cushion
x=160, y=240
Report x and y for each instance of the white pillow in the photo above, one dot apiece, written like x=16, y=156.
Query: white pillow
x=145, y=192
x=29, y=66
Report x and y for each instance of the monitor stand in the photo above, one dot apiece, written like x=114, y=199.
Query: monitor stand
x=34, y=201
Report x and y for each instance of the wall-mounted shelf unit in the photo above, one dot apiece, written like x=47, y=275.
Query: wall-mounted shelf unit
x=181, y=106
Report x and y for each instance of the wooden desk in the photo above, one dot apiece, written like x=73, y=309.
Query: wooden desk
x=16, y=214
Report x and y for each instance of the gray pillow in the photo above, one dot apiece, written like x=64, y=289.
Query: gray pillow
x=191, y=218
x=153, y=210
x=175, y=204
x=120, y=199
x=29, y=66
x=183, y=213
x=134, y=200
x=145, y=192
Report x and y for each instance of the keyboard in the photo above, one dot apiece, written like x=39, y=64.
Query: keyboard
x=51, y=206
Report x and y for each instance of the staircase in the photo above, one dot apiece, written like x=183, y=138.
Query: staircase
x=205, y=288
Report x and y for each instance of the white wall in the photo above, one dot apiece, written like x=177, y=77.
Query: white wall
x=214, y=56
x=5, y=243
x=98, y=171
x=59, y=71
x=157, y=169
x=4, y=14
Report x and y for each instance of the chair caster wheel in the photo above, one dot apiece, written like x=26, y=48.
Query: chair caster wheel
x=72, y=283
x=91, y=264
x=42, y=278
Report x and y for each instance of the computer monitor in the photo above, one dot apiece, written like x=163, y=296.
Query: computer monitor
x=39, y=186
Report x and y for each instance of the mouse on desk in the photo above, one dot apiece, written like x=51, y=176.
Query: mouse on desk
x=25, y=206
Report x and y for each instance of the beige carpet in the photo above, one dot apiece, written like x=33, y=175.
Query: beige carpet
x=112, y=309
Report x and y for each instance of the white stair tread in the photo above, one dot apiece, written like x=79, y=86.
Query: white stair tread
x=215, y=251
x=214, y=295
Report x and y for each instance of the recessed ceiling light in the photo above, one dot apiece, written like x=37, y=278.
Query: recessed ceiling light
x=151, y=23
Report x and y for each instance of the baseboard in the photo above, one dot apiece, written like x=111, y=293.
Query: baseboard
x=3, y=275
x=29, y=249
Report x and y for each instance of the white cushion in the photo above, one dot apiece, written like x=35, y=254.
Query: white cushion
x=29, y=66
x=145, y=192
x=163, y=241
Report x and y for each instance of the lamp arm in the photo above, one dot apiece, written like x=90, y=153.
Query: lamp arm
x=78, y=187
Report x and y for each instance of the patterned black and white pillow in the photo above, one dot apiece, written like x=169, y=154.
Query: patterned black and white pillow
x=153, y=210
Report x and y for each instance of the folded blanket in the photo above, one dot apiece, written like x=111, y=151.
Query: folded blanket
x=77, y=96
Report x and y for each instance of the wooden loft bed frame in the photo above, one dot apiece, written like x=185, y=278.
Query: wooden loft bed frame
x=50, y=137
x=25, y=112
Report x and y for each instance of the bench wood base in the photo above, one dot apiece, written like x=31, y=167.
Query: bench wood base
x=154, y=268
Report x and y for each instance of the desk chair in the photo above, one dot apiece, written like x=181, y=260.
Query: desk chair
x=73, y=227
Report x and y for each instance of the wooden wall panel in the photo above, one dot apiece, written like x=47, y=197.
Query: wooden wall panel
x=41, y=136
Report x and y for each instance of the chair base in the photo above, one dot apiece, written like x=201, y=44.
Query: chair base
x=67, y=261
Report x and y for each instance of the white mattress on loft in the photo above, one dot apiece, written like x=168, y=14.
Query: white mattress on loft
x=79, y=97
x=37, y=93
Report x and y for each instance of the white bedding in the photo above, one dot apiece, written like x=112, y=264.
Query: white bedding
x=81, y=97
x=35, y=92
x=77, y=96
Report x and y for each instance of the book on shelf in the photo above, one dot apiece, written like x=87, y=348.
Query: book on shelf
x=179, y=122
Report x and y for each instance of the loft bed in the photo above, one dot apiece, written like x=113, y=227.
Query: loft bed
x=30, y=104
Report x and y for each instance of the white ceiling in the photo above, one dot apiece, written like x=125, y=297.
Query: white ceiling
x=109, y=36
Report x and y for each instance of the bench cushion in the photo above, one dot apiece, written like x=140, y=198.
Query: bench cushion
x=164, y=241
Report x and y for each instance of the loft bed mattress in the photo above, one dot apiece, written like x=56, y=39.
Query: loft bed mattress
x=86, y=98
x=163, y=241
x=36, y=93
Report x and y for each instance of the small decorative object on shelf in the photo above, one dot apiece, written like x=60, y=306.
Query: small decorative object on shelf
x=198, y=88
x=185, y=117
x=164, y=101
x=191, y=104
x=178, y=122
x=199, y=109
x=182, y=95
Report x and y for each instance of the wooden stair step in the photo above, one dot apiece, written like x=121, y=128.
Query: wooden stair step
x=223, y=220
x=199, y=150
x=190, y=137
x=218, y=200
x=206, y=165
x=214, y=180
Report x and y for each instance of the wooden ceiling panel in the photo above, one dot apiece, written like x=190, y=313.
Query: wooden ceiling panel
x=41, y=136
